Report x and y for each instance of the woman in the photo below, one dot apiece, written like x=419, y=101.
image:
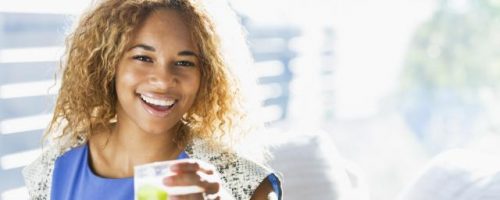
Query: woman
x=145, y=81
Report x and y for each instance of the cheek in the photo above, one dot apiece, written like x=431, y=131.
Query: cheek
x=196, y=85
x=193, y=89
x=125, y=83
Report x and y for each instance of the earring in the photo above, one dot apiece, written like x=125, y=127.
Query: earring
x=114, y=119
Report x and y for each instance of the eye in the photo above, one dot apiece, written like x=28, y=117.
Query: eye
x=143, y=58
x=184, y=63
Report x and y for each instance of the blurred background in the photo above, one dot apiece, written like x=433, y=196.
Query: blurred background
x=391, y=83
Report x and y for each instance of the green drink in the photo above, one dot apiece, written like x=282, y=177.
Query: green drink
x=148, y=182
x=150, y=192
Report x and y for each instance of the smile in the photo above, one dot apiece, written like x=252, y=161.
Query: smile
x=159, y=107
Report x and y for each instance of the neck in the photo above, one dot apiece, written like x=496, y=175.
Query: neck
x=127, y=146
x=141, y=146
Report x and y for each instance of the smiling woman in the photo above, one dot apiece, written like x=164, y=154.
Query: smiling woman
x=157, y=80
x=145, y=81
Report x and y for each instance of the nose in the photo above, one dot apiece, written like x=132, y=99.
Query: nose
x=162, y=78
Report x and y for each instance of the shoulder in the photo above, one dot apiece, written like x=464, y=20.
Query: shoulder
x=38, y=174
x=240, y=176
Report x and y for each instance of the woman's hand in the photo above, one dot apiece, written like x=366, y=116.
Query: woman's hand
x=195, y=173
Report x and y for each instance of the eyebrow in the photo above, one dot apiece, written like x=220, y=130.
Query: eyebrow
x=188, y=53
x=143, y=46
x=151, y=48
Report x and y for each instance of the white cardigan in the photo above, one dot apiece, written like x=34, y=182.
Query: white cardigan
x=240, y=176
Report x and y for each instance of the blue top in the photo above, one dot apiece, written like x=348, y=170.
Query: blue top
x=73, y=179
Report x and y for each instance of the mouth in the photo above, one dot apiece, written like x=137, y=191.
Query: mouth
x=157, y=106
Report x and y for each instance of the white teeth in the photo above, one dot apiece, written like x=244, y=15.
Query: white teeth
x=157, y=102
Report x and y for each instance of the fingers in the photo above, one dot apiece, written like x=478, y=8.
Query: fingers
x=192, y=166
x=186, y=197
x=183, y=179
x=194, y=172
x=210, y=183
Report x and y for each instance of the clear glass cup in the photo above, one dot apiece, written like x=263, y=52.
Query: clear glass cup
x=148, y=182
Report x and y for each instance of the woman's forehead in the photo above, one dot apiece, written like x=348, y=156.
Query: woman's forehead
x=166, y=27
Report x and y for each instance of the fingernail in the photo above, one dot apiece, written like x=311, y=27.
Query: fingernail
x=173, y=197
x=174, y=167
x=168, y=180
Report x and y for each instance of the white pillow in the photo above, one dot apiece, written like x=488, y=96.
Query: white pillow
x=311, y=168
x=457, y=175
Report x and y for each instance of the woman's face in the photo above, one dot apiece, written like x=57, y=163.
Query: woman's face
x=158, y=77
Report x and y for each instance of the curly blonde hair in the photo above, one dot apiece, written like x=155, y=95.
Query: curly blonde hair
x=87, y=99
